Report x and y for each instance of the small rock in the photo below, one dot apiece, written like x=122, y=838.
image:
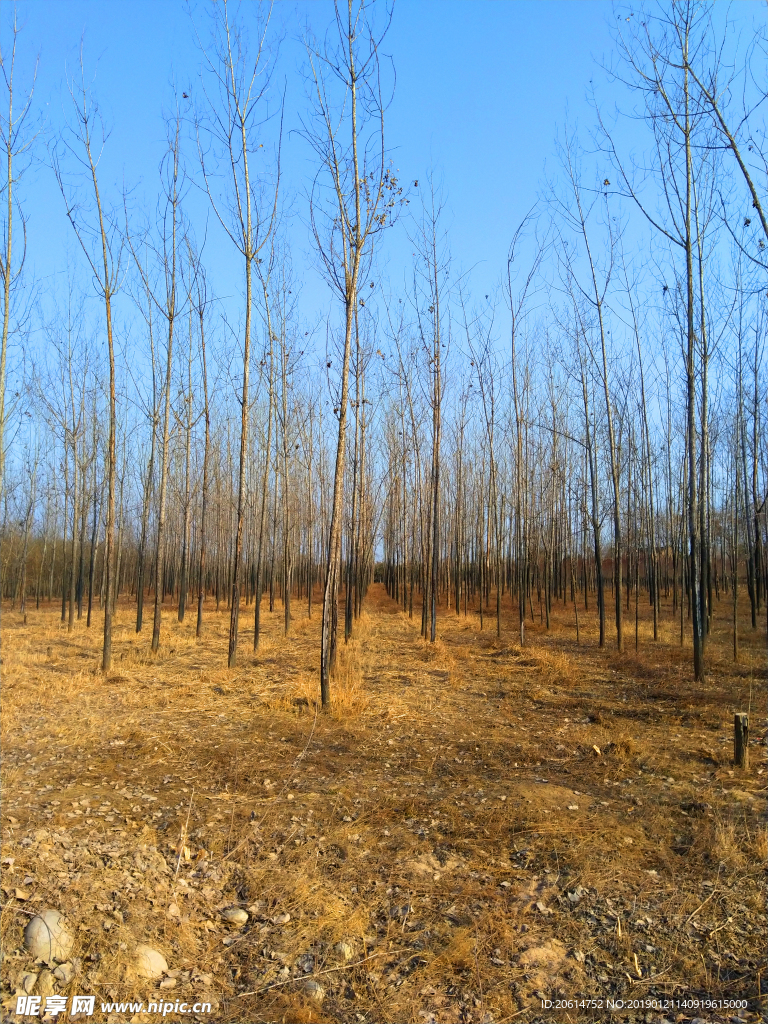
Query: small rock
x=28, y=982
x=543, y=909
x=314, y=990
x=65, y=973
x=47, y=937
x=45, y=986
x=149, y=963
x=235, y=915
x=168, y=983
x=172, y=911
x=400, y=913
x=345, y=950
x=281, y=919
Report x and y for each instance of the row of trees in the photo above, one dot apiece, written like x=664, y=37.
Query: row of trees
x=462, y=447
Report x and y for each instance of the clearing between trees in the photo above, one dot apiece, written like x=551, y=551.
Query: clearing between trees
x=473, y=827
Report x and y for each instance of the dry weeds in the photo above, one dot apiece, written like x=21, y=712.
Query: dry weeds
x=473, y=827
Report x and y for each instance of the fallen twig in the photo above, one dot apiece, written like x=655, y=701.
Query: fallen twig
x=700, y=907
x=328, y=970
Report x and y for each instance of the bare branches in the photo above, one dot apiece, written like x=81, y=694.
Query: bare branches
x=239, y=97
x=18, y=134
x=353, y=197
x=237, y=87
x=355, y=193
x=102, y=244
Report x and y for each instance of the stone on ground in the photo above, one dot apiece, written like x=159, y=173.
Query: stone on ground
x=149, y=963
x=47, y=937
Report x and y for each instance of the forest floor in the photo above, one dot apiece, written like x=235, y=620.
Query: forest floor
x=472, y=829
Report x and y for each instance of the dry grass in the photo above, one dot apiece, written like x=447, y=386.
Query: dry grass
x=452, y=792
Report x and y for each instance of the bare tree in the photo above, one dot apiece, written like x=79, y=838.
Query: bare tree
x=102, y=244
x=152, y=413
x=635, y=324
x=353, y=197
x=518, y=307
x=265, y=274
x=164, y=262
x=657, y=57
x=199, y=302
x=17, y=136
x=430, y=274
x=241, y=83
x=577, y=211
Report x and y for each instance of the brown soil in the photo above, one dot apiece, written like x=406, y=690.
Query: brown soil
x=473, y=828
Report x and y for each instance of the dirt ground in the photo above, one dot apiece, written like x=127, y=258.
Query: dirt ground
x=473, y=829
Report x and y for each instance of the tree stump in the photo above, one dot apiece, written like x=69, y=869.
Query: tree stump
x=741, y=739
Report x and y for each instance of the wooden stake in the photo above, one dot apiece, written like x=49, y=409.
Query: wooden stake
x=741, y=739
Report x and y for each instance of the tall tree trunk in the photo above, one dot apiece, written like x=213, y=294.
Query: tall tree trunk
x=204, y=497
x=142, y=553
x=694, y=537
x=265, y=475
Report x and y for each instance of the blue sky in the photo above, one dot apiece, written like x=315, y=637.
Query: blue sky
x=481, y=89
